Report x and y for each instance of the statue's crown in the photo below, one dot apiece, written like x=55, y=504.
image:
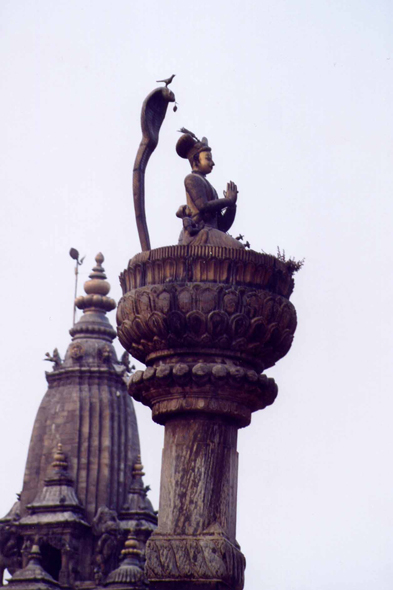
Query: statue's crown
x=188, y=145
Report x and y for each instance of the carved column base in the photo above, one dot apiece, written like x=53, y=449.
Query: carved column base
x=203, y=562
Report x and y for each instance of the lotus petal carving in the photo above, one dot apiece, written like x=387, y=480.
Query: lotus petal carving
x=238, y=306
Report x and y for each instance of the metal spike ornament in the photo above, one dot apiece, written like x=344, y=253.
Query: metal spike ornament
x=75, y=256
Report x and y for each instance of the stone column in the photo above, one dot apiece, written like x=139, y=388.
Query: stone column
x=199, y=476
x=197, y=517
x=207, y=322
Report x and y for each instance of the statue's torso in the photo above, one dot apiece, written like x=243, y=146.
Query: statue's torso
x=199, y=191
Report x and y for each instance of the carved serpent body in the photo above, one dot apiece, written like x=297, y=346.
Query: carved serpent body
x=153, y=113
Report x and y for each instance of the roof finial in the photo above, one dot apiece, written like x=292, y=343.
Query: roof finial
x=131, y=546
x=35, y=553
x=138, y=468
x=97, y=285
x=129, y=573
x=98, y=270
x=59, y=459
x=96, y=289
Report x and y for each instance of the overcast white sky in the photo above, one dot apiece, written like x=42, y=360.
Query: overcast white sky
x=296, y=98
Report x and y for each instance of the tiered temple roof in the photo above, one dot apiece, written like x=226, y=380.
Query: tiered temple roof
x=82, y=491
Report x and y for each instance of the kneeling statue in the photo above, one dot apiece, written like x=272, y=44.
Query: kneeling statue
x=206, y=218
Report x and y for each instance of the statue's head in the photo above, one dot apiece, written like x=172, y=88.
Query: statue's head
x=196, y=151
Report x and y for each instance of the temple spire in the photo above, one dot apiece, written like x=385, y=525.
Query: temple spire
x=82, y=454
x=93, y=324
x=57, y=500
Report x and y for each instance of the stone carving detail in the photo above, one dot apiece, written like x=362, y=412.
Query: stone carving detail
x=238, y=320
x=182, y=264
x=71, y=573
x=10, y=557
x=105, y=353
x=203, y=558
x=108, y=530
x=227, y=389
x=206, y=337
x=95, y=300
x=77, y=351
x=26, y=548
x=54, y=358
x=94, y=329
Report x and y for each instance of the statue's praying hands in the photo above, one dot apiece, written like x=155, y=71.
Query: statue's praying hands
x=231, y=192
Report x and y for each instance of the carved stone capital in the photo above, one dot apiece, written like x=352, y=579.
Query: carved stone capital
x=205, y=559
x=242, y=314
x=207, y=321
x=208, y=388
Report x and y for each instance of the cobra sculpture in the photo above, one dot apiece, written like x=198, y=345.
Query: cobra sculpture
x=153, y=114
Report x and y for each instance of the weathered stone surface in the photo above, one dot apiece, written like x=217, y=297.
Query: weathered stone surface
x=212, y=388
x=129, y=575
x=194, y=264
x=194, y=500
x=33, y=576
x=79, y=506
x=97, y=419
x=207, y=321
x=247, y=317
x=203, y=562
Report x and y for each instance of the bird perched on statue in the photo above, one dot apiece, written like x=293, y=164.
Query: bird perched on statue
x=188, y=132
x=167, y=81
